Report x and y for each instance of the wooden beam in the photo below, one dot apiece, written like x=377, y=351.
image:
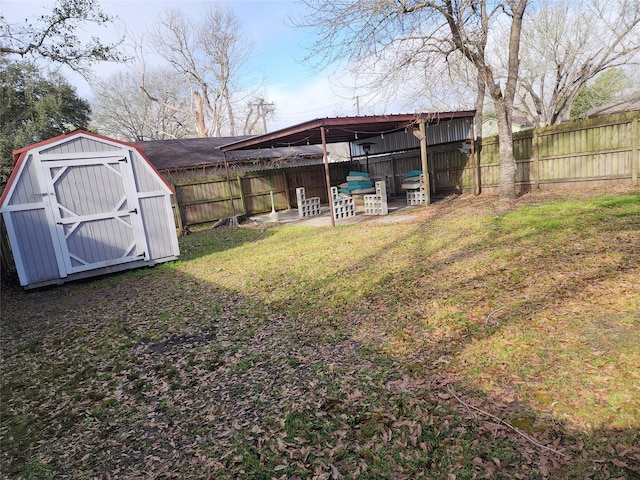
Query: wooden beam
x=425, y=165
x=286, y=188
x=177, y=215
x=472, y=158
x=327, y=175
x=635, y=150
x=535, y=151
x=242, y=201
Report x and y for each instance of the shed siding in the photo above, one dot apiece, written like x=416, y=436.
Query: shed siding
x=79, y=206
x=35, y=244
x=146, y=179
x=81, y=145
x=116, y=240
x=161, y=239
x=448, y=131
x=27, y=185
x=85, y=189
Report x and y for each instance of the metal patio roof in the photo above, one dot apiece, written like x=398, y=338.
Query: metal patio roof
x=342, y=129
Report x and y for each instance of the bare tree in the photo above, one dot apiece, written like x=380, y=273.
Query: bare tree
x=223, y=43
x=54, y=37
x=174, y=40
x=122, y=111
x=452, y=83
x=423, y=31
x=209, y=56
x=258, y=111
x=565, y=44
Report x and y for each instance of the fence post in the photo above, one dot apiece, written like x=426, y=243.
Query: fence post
x=535, y=151
x=177, y=215
x=635, y=149
x=286, y=188
x=242, y=201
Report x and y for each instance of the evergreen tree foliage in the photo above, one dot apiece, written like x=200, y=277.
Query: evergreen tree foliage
x=34, y=107
x=601, y=91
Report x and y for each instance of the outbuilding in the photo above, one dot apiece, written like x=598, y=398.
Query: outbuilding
x=81, y=205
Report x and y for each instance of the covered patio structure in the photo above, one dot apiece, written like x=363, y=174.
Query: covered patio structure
x=402, y=131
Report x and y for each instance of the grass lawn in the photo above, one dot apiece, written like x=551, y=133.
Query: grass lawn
x=482, y=339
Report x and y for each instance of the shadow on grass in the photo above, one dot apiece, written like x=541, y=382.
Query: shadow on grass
x=462, y=290
x=207, y=242
x=336, y=353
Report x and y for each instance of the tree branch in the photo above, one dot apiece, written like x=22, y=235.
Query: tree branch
x=501, y=421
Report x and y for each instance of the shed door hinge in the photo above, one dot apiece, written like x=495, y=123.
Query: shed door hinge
x=124, y=159
x=135, y=210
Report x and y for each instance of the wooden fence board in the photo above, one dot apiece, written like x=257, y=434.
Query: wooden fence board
x=578, y=152
x=601, y=150
x=206, y=199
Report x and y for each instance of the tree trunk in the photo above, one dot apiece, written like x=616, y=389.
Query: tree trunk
x=507, y=168
x=504, y=104
x=228, y=104
x=201, y=127
x=482, y=88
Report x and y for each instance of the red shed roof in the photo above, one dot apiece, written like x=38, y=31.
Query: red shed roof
x=20, y=154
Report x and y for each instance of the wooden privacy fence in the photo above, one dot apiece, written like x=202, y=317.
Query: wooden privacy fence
x=590, y=152
x=206, y=199
x=603, y=150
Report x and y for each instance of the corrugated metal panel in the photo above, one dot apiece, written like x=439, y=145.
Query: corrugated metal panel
x=27, y=187
x=81, y=145
x=158, y=228
x=446, y=132
x=35, y=245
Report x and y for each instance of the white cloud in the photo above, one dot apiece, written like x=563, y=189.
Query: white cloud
x=315, y=98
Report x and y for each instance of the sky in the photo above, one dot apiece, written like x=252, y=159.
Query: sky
x=299, y=93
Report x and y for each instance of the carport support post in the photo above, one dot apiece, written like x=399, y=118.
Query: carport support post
x=473, y=158
x=425, y=166
x=327, y=175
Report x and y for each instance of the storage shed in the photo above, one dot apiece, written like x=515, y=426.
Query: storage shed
x=81, y=205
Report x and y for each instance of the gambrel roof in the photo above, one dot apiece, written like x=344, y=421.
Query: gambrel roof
x=81, y=205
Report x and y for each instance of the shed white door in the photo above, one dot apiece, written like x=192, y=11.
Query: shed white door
x=95, y=209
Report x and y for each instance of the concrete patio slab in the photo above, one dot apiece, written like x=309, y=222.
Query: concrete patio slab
x=399, y=211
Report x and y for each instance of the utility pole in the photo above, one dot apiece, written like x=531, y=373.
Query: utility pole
x=267, y=108
x=262, y=109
